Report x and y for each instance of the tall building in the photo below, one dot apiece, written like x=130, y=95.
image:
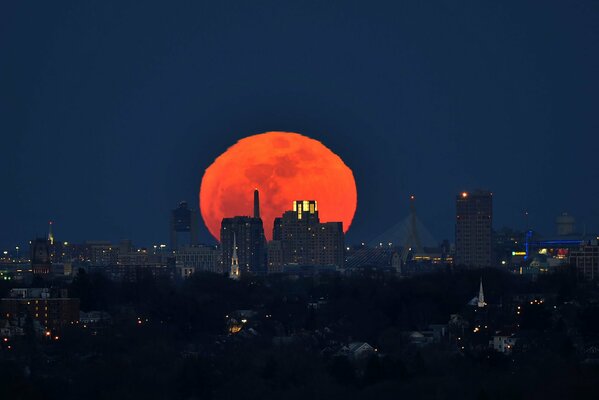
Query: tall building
x=41, y=263
x=585, y=260
x=307, y=241
x=246, y=234
x=274, y=256
x=474, y=223
x=184, y=226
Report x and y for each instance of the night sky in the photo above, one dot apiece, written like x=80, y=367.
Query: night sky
x=109, y=113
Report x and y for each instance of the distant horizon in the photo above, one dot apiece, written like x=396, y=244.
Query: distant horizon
x=353, y=242
x=110, y=119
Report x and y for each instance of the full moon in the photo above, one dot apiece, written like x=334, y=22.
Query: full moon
x=283, y=166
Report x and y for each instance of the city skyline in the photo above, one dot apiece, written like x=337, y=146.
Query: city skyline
x=414, y=102
x=299, y=199
x=552, y=224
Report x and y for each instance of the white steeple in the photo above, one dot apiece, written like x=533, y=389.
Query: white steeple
x=50, y=234
x=234, y=271
x=481, y=295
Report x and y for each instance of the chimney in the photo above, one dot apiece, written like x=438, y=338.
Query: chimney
x=256, y=204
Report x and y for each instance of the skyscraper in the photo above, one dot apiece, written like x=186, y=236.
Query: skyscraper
x=246, y=235
x=40, y=257
x=307, y=241
x=474, y=224
x=184, y=226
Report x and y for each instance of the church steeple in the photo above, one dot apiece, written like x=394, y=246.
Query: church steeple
x=234, y=271
x=50, y=234
x=481, y=295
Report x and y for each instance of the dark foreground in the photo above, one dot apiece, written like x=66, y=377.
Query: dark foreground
x=276, y=338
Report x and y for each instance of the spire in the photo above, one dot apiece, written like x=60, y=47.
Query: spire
x=235, y=258
x=256, y=203
x=50, y=234
x=234, y=271
x=481, y=295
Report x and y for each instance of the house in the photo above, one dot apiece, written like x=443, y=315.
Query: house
x=503, y=342
x=357, y=350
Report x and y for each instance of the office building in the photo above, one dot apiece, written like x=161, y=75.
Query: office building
x=474, y=223
x=102, y=253
x=200, y=258
x=183, y=226
x=307, y=241
x=585, y=260
x=275, y=257
x=246, y=236
x=53, y=309
x=41, y=263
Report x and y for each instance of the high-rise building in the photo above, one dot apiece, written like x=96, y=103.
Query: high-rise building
x=474, y=224
x=274, y=256
x=184, y=226
x=246, y=234
x=307, y=241
x=585, y=260
x=41, y=263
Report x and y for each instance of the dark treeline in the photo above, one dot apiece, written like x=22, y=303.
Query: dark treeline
x=170, y=341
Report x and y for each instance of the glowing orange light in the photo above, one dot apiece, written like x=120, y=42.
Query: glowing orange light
x=284, y=167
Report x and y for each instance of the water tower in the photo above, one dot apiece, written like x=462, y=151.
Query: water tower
x=565, y=224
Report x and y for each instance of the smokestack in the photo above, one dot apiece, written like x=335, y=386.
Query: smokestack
x=256, y=204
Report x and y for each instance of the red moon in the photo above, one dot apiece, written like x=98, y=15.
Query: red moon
x=283, y=166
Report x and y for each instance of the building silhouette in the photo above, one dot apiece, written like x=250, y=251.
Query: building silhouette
x=585, y=260
x=52, y=309
x=245, y=235
x=199, y=258
x=41, y=263
x=183, y=226
x=307, y=241
x=474, y=224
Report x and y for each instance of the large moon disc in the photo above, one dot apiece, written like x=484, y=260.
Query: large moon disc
x=283, y=166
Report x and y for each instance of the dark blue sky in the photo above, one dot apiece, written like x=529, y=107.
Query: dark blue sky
x=109, y=113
